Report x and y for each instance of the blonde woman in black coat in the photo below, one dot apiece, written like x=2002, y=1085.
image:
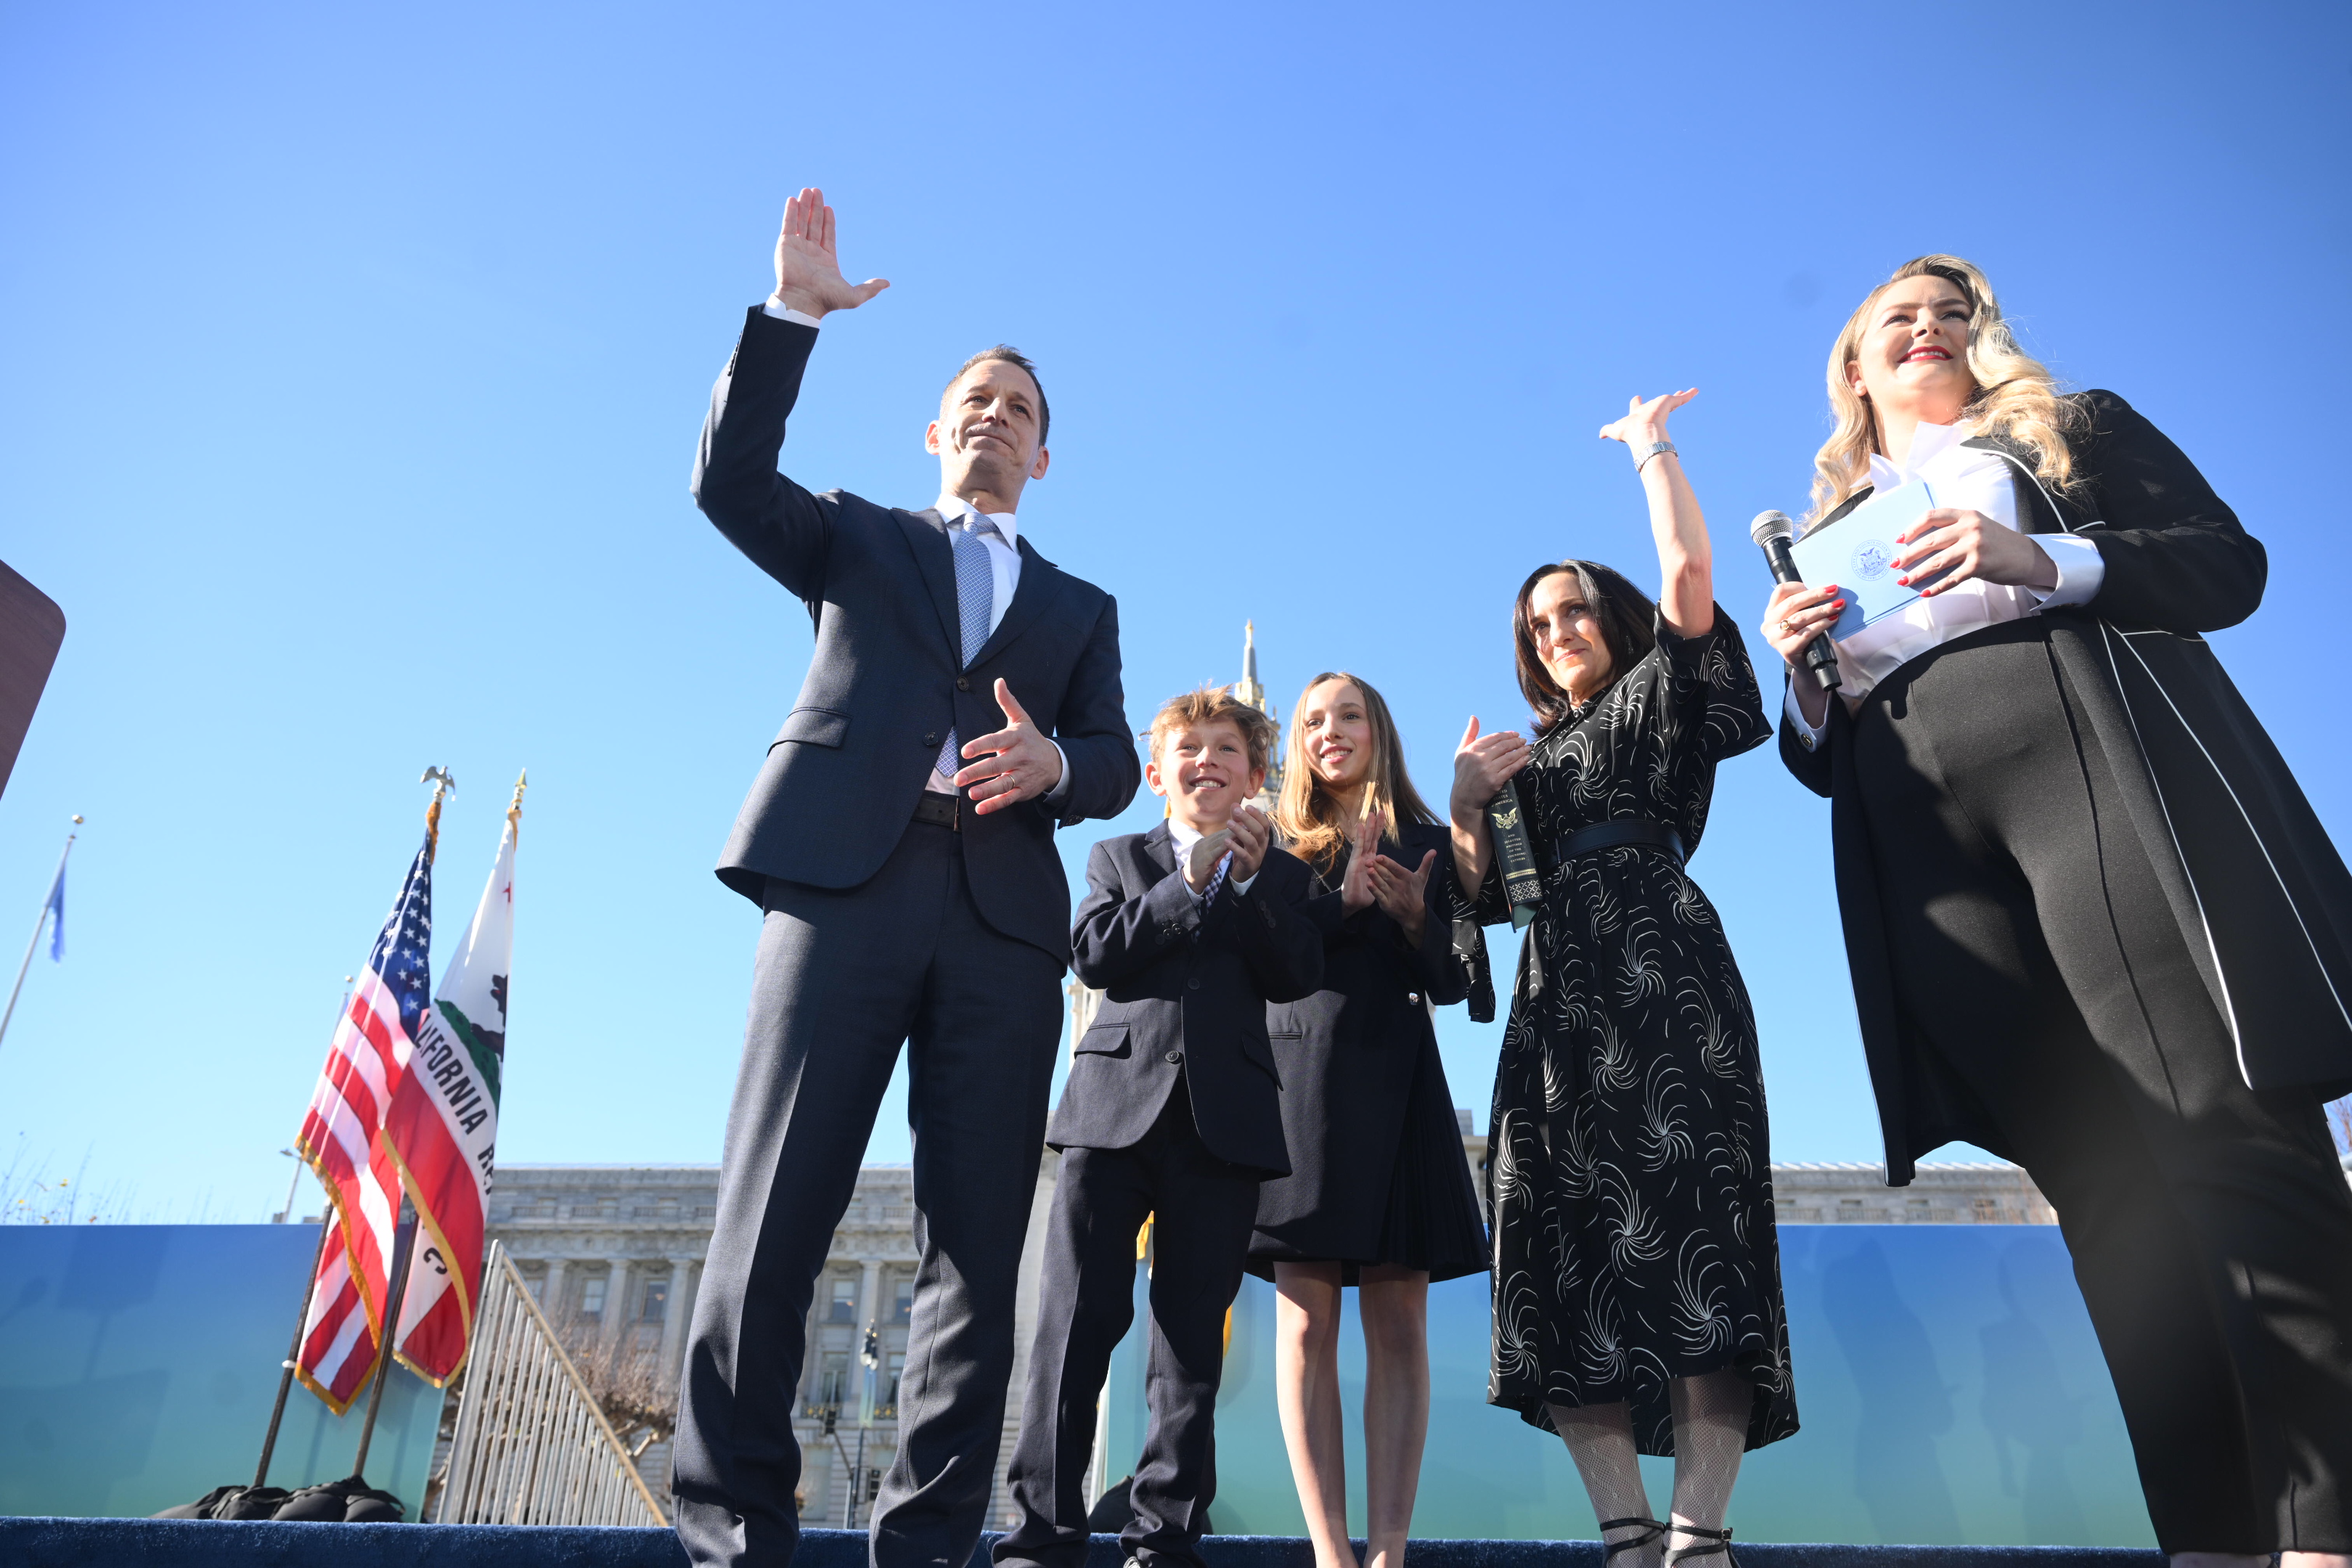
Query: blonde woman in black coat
x=2092, y=924
x=1379, y=1195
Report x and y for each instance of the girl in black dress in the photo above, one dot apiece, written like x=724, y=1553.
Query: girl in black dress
x=2092, y=921
x=1637, y=1275
x=1380, y=1195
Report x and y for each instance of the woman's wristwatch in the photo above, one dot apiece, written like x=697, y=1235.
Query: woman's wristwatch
x=1641, y=459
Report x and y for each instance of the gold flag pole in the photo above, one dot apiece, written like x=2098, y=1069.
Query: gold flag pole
x=514, y=806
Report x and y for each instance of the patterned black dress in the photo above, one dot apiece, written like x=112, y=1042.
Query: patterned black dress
x=1629, y=1168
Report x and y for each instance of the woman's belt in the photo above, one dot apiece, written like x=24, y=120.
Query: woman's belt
x=1618, y=832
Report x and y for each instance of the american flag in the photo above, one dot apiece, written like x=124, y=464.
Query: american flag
x=443, y=1127
x=366, y=1062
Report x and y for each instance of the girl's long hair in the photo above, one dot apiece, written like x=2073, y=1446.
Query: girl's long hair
x=1314, y=826
x=2016, y=396
x=1629, y=630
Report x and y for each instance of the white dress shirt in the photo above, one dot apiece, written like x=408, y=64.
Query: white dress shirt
x=1968, y=478
x=1003, y=558
x=1183, y=836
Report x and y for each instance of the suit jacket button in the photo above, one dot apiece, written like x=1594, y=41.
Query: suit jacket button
x=1193, y=983
x=1175, y=1057
x=930, y=737
x=964, y=683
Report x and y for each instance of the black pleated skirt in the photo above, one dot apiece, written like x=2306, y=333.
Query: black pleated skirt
x=1428, y=1218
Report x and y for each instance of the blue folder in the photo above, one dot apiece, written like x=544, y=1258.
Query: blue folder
x=1857, y=552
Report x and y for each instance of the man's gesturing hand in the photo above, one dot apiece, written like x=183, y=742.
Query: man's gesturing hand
x=1016, y=763
x=808, y=274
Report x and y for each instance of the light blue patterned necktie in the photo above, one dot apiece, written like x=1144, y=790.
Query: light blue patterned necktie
x=975, y=607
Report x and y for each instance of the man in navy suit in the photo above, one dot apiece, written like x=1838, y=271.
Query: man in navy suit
x=899, y=842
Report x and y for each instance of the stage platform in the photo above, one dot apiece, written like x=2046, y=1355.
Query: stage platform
x=193, y=1543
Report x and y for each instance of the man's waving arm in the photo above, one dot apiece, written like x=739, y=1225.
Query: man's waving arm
x=780, y=525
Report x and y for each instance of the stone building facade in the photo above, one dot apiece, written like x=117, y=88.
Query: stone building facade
x=614, y=1256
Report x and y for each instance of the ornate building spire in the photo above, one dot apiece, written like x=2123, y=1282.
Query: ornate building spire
x=1250, y=689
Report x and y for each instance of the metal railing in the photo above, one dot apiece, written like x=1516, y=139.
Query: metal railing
x=532, y=1447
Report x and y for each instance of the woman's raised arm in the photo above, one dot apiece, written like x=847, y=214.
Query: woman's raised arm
x=1686, y=561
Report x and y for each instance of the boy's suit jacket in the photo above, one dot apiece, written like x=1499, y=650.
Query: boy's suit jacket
x=1186, y=989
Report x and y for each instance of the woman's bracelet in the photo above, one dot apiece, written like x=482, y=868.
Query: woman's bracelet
x=1656, y=449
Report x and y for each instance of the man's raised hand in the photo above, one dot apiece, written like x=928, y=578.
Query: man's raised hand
x=1016, y=763
x=808, y=274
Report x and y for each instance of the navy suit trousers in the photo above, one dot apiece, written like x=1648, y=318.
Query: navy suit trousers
x=1202, y=1210
x=843, y=976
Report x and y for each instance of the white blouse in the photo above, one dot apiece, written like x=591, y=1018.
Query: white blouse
x=1970, y=479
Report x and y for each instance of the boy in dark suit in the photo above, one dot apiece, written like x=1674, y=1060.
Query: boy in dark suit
x=1172, y=1111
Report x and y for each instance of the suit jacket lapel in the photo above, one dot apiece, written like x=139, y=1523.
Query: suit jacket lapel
x=935, y=559
x=1041, y=580
x=1158, y=846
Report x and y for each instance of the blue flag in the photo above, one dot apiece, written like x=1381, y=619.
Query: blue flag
x=58, y=913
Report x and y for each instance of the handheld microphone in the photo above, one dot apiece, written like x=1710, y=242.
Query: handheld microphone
x=1773, y=530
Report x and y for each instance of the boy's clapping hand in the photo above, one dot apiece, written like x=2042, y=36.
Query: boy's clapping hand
x=1251, y=833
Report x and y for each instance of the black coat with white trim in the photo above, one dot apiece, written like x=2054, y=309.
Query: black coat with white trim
x=2262, y=896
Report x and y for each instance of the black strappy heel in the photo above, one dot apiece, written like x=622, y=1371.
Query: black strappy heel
x=1716, y=1540
x=1651, y=1529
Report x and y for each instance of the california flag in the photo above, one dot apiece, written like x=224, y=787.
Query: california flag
x=443, y=1127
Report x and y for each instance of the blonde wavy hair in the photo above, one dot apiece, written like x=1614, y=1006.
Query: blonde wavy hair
x=1311, y=820
x=2016, y=395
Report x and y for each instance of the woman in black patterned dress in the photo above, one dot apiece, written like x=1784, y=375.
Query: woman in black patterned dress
x=1637, y=1275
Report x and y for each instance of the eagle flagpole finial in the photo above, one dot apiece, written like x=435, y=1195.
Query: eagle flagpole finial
x=442, y=785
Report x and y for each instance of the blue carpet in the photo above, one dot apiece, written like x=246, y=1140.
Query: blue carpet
x=203, y=1543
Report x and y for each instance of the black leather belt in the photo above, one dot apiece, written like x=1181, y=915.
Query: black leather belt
x=939, y=810
x=1619, y=832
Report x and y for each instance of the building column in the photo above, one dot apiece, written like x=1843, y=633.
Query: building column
x=667, y=1368
x=551, y=1294
x=616, y=1306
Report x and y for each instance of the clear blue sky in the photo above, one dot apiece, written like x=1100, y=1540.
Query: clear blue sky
x=351, y=362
